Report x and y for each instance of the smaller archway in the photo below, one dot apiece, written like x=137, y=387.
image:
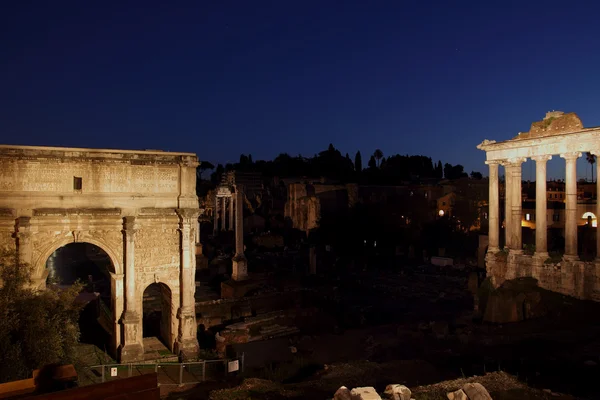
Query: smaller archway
x=157, y=313
x=590, y=217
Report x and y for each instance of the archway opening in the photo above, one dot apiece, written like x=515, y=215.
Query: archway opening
x=157, y=313
x=90, y=265
x=590, y=219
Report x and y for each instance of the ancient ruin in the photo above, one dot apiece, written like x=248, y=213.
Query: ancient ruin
x=557, y=134
x=140, y=207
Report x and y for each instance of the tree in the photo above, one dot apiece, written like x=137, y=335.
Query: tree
x=476, y=175
x=378, y=154
x=372, y=163
x=439, y=171
x=37, y=328
x=590, y=158
x=358, y=162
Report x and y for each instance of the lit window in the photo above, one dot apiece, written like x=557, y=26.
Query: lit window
x=528, y=217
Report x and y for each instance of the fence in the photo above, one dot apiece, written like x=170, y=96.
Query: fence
x=168, y=373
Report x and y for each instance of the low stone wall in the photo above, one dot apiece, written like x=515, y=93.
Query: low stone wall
x=216, y=312
x=578, y=279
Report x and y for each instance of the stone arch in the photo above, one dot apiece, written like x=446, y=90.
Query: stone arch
x=109, y=319
x=39, y=265
x=168, y=308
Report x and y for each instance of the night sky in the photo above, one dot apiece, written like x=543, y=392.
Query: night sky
x=221, y=78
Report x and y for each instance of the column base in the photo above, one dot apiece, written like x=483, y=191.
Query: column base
x=240, y=268
x=570, y=257
x=541, y=255
x=515, y=251
x=131, y=353
x=187, y=349
x=493, y=249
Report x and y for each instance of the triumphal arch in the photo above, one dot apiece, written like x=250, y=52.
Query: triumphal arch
x=558, y=134
x=140, y=207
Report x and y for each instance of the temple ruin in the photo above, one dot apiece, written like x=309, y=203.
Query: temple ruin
x=557, y=134
x=140, y=207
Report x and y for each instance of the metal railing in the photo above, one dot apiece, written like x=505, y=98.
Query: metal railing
x=168, y=373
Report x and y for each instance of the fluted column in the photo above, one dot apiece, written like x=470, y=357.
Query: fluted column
x=187, y=342
x=516, y=235
x=25, y=253
x=571, y=205
x=240, y=264
x=216, y=216
x=507, y=205
x=132, y=349
x=223, y=212
x=116, y=289
x=493, y=212
x=541, y=225
x=230, y=226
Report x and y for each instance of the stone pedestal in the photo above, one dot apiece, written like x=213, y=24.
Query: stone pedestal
x=240, y=268
x=187, y=345
x=132, y=349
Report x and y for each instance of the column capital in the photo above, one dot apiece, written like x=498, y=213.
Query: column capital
x=130, y=224
x=514, y=161
x=542, y=158
x=495, y=162
x=571, y=155
x=188, y=214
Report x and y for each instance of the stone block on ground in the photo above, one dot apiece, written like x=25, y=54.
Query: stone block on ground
x=476, y=391
x=343, y=393
x=397, y=392
x=365, y=393
x=458, y=395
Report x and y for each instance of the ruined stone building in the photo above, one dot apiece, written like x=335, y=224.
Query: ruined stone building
x=138, y=207
x=308, y=202
x=557, y=134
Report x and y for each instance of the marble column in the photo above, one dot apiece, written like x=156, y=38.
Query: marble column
x=216, y=216
x=25, y=253
x=516, y=231
x=494, y=208
x=507, y=205
x=571, y=205
x=223, y=212
x=187, y=342
x=541, y=225
x=116, y=288
x=132, y=348
x=231, y=217
x=240, y=264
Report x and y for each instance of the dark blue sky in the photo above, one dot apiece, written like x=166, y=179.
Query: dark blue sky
x=221, y=78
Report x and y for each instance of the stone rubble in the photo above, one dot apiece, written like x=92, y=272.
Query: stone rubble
x=476, y=391
x=397, y=392
x=365, y=393
x=469, y=391
x=458, y=395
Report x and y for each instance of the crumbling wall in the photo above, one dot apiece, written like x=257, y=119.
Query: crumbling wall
x=555, y=122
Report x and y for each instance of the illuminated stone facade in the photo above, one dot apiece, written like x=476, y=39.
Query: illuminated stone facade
x=140, y=207
x=557, y=134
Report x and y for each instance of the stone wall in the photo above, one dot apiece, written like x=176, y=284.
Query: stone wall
x=578, y=279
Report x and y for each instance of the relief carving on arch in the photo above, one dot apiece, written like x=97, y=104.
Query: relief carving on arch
x=42, y=242
x=156, y=248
